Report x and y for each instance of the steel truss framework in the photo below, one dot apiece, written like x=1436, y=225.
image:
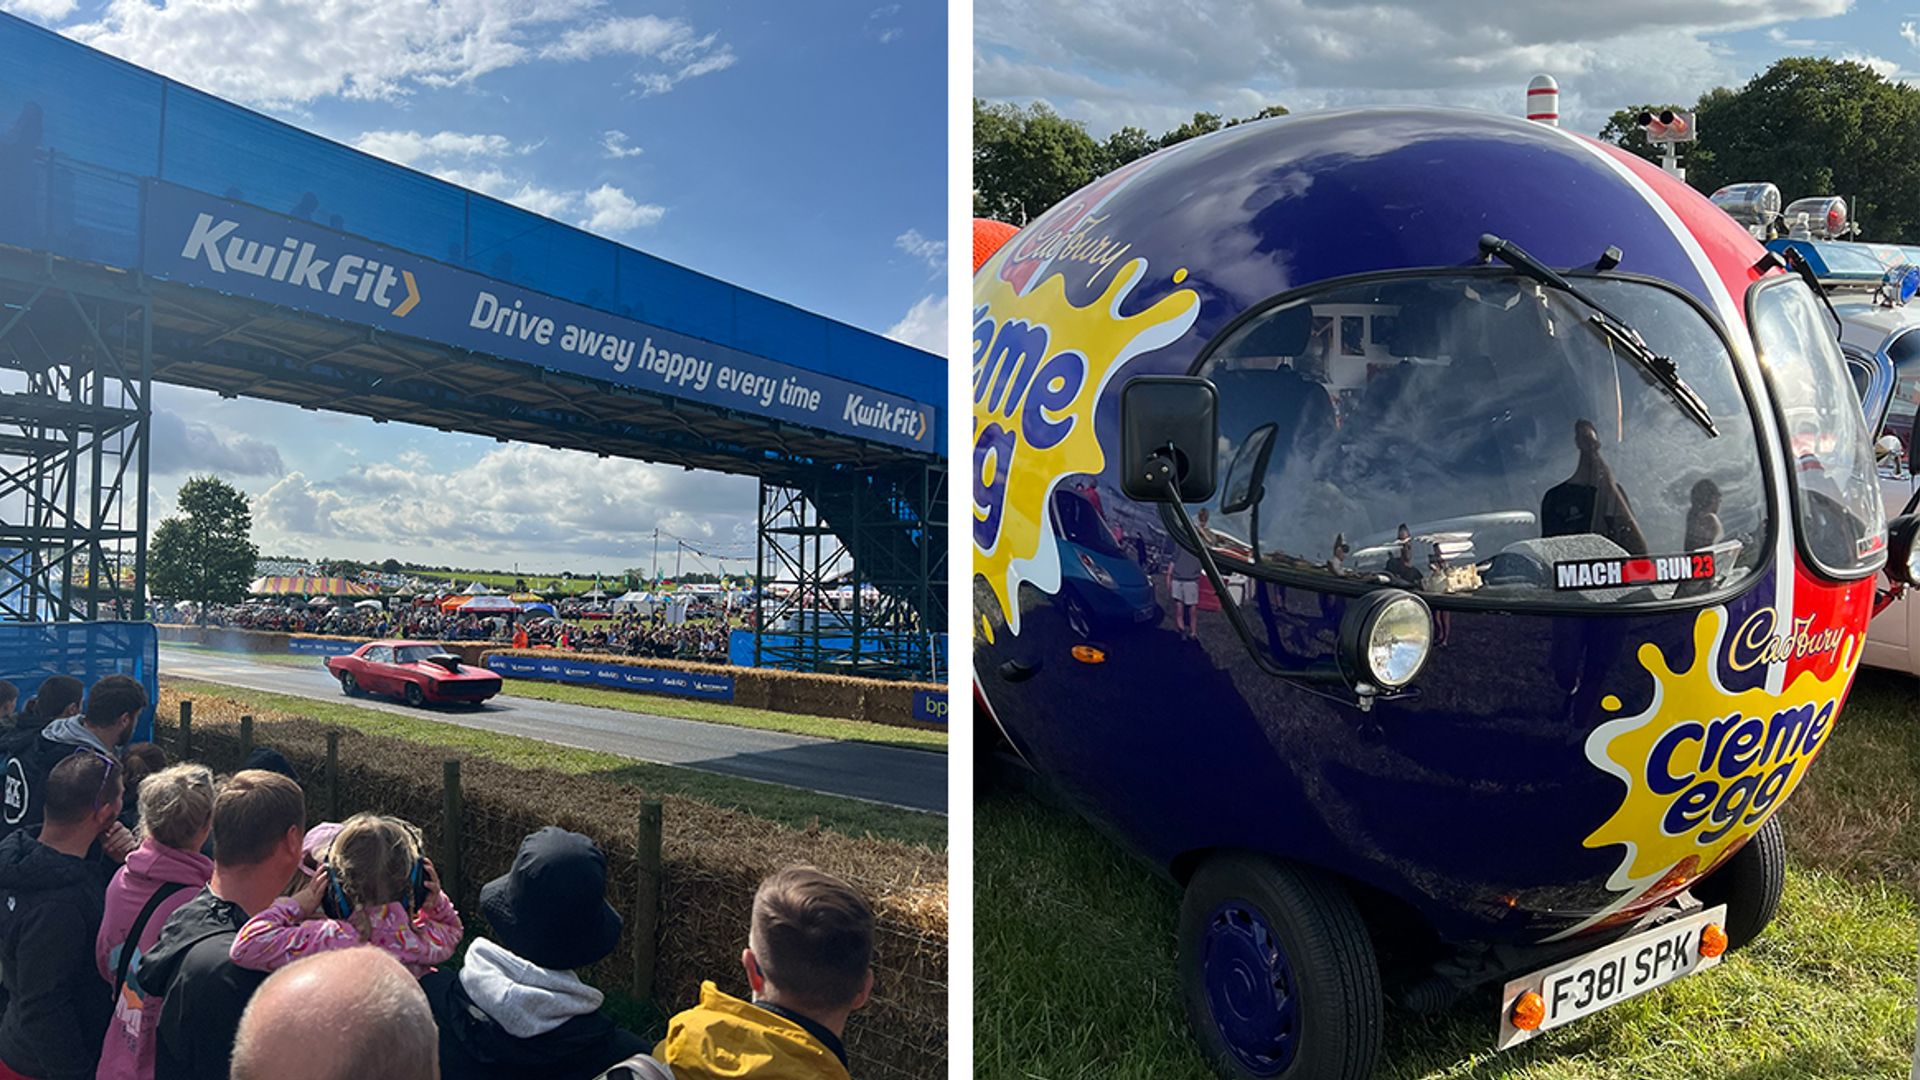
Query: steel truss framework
x=80, y=349
x=878, y=534
x=76, y=371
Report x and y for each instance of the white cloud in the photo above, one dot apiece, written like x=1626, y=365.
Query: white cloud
x=615, y=144
x=611, y=210
x=504, y=505
x=1911, y=33
x=1880, y=65
x=285, y=53
x=924, y=326
x=695, y=61
x=180, y=446
x=1100, y=60
x=50, y=11
x=411, y=147
x=932, y=252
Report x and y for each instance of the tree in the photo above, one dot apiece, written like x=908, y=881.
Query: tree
x=390, y=566
x=1025, y=160
x=204, y=554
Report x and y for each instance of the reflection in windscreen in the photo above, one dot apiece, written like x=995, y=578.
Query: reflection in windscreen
x=413, y=654
x=1080, y=522
x=1484, y=434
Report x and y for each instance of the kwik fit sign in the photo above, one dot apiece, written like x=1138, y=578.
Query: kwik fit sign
x=198, y=239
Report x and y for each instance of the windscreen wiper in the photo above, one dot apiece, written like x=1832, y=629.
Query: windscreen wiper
x=1610, y=326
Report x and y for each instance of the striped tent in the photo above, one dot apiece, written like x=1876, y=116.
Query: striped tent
x=287, y=585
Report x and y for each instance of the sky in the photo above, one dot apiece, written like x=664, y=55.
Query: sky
x=798, y=150
x=1153, y=63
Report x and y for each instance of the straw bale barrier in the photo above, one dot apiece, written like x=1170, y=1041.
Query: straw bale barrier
x=712, y=859
x=880, y=701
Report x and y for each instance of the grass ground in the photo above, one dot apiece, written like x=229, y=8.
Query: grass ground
x=824, y=727
x=1074, y=951
x=789, y=806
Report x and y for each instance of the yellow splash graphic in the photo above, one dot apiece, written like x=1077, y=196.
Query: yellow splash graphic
x=1704, y=767
x=1040, y=366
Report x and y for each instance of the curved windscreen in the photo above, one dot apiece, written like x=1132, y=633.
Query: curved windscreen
x=1473, y=435
x=1836, y=488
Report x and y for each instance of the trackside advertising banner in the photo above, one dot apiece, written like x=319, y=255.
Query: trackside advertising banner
x=619, y=676
x=930, y=706
x=198, y=239
x=320, y=646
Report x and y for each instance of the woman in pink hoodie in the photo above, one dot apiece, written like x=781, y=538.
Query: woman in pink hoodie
x=164, y=872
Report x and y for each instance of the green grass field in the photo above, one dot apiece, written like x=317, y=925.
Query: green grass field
x=712, y=712
x=1074, y=951
x=789, y=806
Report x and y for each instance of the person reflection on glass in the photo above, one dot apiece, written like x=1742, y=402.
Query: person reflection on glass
x=1183, y=583
x=1589, y=501
x=1438, y=581
x=1703, y=530
x=1400, y=567
x=1338, y=563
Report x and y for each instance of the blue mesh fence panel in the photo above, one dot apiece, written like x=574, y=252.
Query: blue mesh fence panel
x=511, y=244
x=220, y=149
x=29, y=652
x=660, y=293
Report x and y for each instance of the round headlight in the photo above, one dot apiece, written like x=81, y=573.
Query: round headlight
x=1385, y=637
x=1903, y=554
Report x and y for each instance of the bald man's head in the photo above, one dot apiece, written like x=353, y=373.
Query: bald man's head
x=344, y=1015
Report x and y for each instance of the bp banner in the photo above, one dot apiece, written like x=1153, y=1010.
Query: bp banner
x=199, y=239
x=618, y=676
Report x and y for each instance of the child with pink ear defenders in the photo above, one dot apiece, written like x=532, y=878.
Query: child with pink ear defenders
x=369, y=884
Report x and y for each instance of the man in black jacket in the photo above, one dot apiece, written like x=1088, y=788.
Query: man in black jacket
x=51, y=900
x=104, y=725
x=259, y=820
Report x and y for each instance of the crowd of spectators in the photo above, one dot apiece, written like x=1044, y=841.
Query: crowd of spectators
x=220, y=936
x=704, y=638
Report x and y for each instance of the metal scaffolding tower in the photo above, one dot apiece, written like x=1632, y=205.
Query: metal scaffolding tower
x=852, y=568
x=76, y=366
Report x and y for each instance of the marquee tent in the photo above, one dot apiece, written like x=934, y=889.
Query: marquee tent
x=284, y=585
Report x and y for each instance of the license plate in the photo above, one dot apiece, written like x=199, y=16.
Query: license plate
x=1610, y=975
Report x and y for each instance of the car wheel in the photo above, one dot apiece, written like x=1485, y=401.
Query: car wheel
x=415, y=696
x=347, y=684
x=1278, y=972
x=1749, y=884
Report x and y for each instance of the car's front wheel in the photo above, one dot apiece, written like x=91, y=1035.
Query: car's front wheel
x=1749, y=884
x=415, y=696
x=1278, y=972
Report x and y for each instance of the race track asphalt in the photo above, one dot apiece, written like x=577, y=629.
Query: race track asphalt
x=914, y=779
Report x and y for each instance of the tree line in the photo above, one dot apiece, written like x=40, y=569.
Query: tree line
x=1810, y=125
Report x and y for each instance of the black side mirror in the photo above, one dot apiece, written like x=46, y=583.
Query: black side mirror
x=1901, y=552
x=1168, y=422
x=1246, y=473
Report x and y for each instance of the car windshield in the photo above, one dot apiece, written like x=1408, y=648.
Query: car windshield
x=1081, y=523
x=413, y=654
x=1484, y=442
x=1836, y=488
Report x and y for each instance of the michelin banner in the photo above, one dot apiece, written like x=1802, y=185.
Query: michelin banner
x=198, y=239
x=618, y=676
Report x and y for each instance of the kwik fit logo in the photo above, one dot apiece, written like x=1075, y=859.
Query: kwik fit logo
x=215, y=241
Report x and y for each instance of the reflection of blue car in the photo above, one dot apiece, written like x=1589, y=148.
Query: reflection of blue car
x=1100, y=583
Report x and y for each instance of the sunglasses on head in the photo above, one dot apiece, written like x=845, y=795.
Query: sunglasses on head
x=100, y=796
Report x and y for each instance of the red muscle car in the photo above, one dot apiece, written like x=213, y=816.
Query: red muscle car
x=418, y=671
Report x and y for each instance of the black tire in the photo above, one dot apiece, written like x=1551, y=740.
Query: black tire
x=1749, y=884
x=415, y=696
x=1332, y=976
x=349, y=685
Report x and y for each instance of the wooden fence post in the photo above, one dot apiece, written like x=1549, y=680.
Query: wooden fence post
x=451, y=825
x=185, y=747
x=646, y=923
x=333, y=776
x=246, y=739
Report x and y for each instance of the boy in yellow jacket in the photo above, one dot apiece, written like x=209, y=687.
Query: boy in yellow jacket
x=809, y=963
